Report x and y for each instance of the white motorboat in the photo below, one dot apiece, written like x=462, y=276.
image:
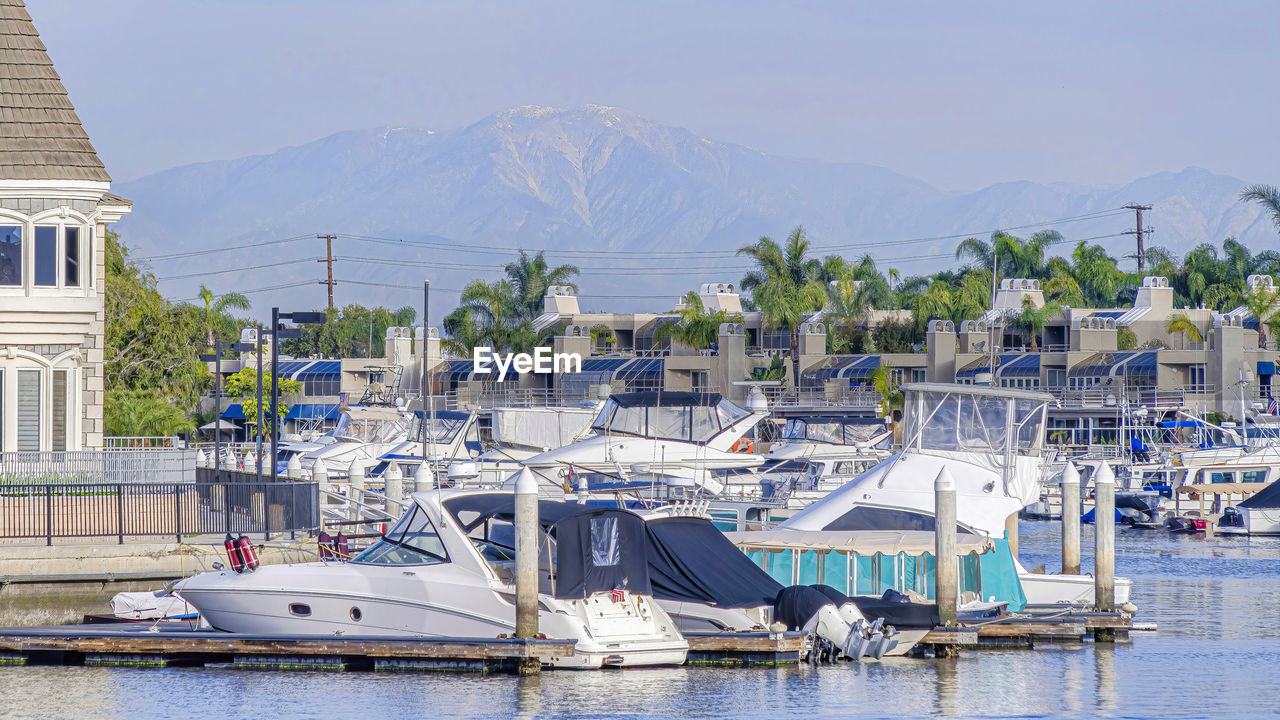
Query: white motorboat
x=836, y=437
x=991, y=439
x=362, y=434
x=447, y=570
x=671, y=437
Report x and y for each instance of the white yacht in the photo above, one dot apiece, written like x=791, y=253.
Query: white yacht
x=991, y=439
x=447, y=570
x=669, y=437
x=363, y=433
x=836, y=437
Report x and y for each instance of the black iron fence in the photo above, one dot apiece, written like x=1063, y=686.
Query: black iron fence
x=87, y=510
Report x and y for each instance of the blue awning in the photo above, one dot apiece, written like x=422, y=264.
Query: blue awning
x=455, y=371
x=1266, y=367
x=318, y=369
x=856, y=367
x=1120, y=364
x=234, y=411
x=312, y=411
x=642, y=370
x=982, y=365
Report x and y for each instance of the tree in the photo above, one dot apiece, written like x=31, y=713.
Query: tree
x=1033, y=319
x=1180, y=323
x=142, y=413
x=1267, y=196
x=695, y=327
x=215, y=311
x=353, y=331
x=785, y=286
x=888, y=387
x=500, y=314
x=150, y=344
x=243, y=387
x=530, y=277
x=777, y=370
x=1264, y=303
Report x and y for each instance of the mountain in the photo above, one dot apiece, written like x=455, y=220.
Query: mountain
x=597, y=178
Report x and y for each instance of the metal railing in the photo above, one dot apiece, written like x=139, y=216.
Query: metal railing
x=784, y=397
x=141, y=442
x=107, y=466
x=1136, y=397
x=45, y=511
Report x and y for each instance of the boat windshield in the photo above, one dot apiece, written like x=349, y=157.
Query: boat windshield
x=973, y=423
x=830, y=430
x=413, y=541
x=441, y=429
x=690, y=423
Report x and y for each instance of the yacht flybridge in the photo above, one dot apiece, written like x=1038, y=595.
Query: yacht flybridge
x=669, y=435
x=991, y=439
x=447, y=569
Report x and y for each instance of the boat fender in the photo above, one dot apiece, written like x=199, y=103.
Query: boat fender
x=233, y=553
x=323, y=540
x=248, y=553
x=341, y=547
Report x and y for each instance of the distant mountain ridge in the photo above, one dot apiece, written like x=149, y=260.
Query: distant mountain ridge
x=600, y=177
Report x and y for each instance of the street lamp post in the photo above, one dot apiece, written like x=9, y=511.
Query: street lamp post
x=216, y=358
x=300, y=318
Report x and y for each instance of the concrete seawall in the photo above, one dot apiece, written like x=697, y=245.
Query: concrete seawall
x=59, y=584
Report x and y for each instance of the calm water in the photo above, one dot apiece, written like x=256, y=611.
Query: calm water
x=1215, y=654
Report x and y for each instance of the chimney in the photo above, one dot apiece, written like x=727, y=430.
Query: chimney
x=561, y=300
x=940, y=351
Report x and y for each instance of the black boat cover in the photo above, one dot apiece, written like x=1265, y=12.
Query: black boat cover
x=1267, y=497
x=692, y=561
x=898, y=610
x=834, y=595
x=597, y=548
x=796, y=605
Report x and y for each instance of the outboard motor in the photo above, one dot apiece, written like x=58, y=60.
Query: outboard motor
x=1231, y=517
x=811, y=611
x=233, y=553
x=878, y=636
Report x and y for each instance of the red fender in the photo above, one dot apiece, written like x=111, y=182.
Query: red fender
x=233, y=553
x=248, y=552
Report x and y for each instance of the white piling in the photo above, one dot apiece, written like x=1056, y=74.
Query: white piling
x=355, y=491
x=250, y=461
x=320, y=475
x=202, y=460
x=527, y=531
x=1070, y=520
x=945, y=579
x=393, y=483
x=1104, y=526
x=294, y=469
x=423, y=479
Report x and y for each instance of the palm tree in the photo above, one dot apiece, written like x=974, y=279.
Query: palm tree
x=934, y=303
x=1033, y=319
x=142, y=413
x=530, y=277
x=1182, y=324
x=215, y=311
x=1263, y=304
x=786, y=286
x=696, y=327
x=1268, y=196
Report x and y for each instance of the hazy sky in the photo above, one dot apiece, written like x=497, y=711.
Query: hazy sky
x=957, y=94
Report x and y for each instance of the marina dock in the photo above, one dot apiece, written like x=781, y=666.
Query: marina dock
x=177, y=644
x=1026, y=630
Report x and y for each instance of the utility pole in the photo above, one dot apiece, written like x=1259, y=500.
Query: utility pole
x=328, y=261
x=1140, y=233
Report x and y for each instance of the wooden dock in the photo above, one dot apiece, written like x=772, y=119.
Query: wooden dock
x=173, y=644
x=1026, y=630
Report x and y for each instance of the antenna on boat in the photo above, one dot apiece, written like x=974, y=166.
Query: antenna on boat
x=991, y=341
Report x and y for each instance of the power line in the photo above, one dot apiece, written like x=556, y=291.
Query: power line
x=254, y=291
x=204, y=273
x=221, y=248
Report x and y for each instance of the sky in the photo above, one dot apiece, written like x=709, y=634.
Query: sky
x=960, y=95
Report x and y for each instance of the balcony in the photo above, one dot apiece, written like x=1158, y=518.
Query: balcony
x=1135, y=397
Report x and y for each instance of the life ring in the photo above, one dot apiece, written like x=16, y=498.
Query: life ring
x=744, y=445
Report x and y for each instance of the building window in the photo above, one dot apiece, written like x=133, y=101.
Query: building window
x=60, y=390
x=71, y=252
x=1195, y=377
x=46, y=256
x=28, y=418
x=1055, y=377
x=10, y=255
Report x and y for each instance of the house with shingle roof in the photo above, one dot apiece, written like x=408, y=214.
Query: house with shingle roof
x=55, y=206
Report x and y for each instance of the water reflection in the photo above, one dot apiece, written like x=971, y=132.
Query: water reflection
x=1212, y=598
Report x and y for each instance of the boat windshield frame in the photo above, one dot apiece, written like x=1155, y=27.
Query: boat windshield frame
x=398, y=543
x=683, y=422
x=802, y=429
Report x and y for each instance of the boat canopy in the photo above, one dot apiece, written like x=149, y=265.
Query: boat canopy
x=692, y=561
x=865, y=542
x=684, y=416
x=596, y=549
x=973, y=419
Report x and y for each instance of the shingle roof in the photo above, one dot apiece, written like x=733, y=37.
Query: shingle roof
x=40, y=135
